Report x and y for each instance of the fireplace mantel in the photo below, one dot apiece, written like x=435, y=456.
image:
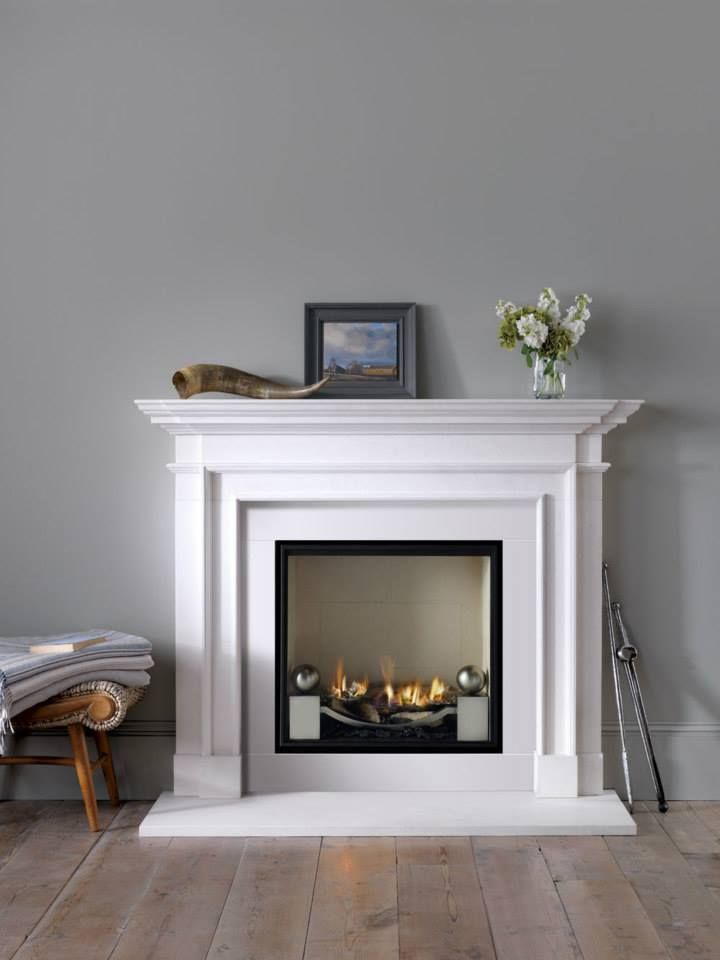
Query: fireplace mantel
x=199, y=417
x=249, y=472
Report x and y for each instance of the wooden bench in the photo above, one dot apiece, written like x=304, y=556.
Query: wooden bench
x=98, y=705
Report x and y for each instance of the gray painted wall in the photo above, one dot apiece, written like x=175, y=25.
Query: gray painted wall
x=179, y=178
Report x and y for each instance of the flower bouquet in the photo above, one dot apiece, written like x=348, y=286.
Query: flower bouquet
x=546, y=336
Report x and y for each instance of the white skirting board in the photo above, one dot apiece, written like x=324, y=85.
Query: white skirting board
x=388, y=814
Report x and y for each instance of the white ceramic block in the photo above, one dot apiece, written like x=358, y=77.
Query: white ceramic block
x=304, y=718
x=472, y=718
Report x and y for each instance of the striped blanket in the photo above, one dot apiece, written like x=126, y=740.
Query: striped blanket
x=28, y=678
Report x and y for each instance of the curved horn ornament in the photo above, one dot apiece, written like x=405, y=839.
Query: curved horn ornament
x=215, y=378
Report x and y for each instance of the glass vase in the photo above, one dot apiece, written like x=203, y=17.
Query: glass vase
x=548, y=378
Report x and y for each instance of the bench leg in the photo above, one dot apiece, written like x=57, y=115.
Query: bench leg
x=102, y=743
x=84, y=773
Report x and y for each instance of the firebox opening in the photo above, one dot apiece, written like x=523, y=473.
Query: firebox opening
x=388, y=646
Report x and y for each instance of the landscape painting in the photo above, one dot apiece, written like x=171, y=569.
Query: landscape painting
x=360, y=350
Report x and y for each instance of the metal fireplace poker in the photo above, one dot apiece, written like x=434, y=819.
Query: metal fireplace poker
x=626, y=653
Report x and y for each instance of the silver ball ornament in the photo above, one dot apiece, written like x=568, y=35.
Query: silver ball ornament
x=305, y=678
x=471, y=679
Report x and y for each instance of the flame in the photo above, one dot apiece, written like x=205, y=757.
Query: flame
x=339, y=687
x=387, y=669
x=438, y=690
x=415, y=694
x=358, y=688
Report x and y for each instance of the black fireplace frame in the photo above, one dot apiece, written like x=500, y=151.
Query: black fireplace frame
x=284, y=549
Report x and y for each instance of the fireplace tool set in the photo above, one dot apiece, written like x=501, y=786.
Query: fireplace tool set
x=625, y=653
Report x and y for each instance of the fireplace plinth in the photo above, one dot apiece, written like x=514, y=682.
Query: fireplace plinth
x=523, y=474
x=436, y=814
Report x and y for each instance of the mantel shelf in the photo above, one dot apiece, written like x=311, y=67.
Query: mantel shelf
x=236, y=415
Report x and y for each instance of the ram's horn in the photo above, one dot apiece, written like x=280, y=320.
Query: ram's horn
x=213, y=378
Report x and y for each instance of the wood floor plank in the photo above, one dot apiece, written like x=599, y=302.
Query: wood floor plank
x=13, y=828
x=177, y=917
x=59, y=817
x=687, y=831
x=707, y=868
x=66, y=893
x=68, y=816
x=440, y=903
x=354, y=913
x=606, y=916
x=709, y=813
x=683, y=911
x=526, y=915
x=93, y=908
x=52, y=816
x=579, y=858
x=21, y=811
x=266, y=913
x=609, y=920
x=32, y=875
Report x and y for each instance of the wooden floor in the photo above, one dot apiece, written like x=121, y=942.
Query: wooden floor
x=66, y=894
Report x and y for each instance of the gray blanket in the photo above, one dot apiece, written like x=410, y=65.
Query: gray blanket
x=25, y=676
x=128, y=678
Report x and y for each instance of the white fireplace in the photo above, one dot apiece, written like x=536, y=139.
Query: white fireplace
x=250, y=475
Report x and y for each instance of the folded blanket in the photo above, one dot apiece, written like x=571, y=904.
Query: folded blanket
x=17, y=662
x=23, y=674
x=128, y=678
x=69, y=671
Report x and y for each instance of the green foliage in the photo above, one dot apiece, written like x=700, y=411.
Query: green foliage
x=507, y=334
x=557, y=344
x=540, y=329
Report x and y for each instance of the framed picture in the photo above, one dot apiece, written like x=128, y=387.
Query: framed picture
x=367, y=348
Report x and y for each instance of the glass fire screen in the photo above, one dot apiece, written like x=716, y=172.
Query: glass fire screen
x=388, y=646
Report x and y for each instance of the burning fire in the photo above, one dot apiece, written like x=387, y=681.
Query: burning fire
x=339, y=687
x=415, y=694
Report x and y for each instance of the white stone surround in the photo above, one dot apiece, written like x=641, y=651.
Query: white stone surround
x=526, y=472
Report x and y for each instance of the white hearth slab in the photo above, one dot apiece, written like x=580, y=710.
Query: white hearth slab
x=407, y=814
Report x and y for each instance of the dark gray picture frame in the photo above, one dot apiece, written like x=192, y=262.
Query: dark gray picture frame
x=403, y=314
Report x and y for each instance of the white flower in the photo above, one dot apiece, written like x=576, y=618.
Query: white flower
x=537, y=326
x=576, y=329
x=574, y=322
x=576, y=313
x=533, y=331
x=549, y=303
